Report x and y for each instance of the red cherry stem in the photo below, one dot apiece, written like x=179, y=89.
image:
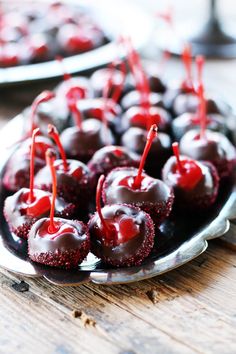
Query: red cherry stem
x=72, y=105
x=98, y=203
x=32, y=156
x=150, y=137
x=202, y=111
x=43, y=97
x=141, y=80
x=118, y=88
x=175, y=147
x=66, y=75
x=53, y=133
x=50, y=158
x=200, y=61
x=187, y=61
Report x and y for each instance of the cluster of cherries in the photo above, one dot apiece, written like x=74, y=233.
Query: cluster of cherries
x=112, y=126
x=41, y=31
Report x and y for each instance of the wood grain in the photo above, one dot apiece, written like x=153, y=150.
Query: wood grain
x=191, y=314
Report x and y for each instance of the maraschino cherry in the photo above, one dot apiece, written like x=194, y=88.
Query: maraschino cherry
x=116, y=73
x=144, y=115
x=16, y=173
x=195, y=183
x=209, y=146
x=135, y=139
x=109, y=157
x=186, y=86
x=74, y=179
x=79, y=85
x=58, y=242
x=189, y=120
x=86, y=137
x=23, y=208
x=128, y=185
x=121, y=235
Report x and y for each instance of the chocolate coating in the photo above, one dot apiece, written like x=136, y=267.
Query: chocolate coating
x=134, y=139
x=99, y=78
x=94, y=108
x=75, y=184
x=82, y=144
x=65, y=250
x=133, y=98
x=130, y=252
x=153, y=196
x=200, y=196
x=188, y=121
x=109, y=157
x=16, y=214
x=135, y=117
x=79, y=82
x=17, y=170
x=216, y=148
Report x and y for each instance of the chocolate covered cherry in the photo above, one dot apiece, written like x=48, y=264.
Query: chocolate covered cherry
x=188, y=121
x=133, y=98
x=74, y=179
x=77, y=85
x=109, y=157
x=137, y=116
x=213, y=147
x=121, y=235
x=128, y=185
x=134, y=139
x=86, y=137
x=58, y=242
x=23, y=208
x=195, y=183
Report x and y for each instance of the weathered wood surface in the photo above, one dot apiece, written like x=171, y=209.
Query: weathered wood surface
x=189, y=310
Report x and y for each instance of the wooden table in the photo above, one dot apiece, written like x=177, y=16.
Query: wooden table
x=189, y=310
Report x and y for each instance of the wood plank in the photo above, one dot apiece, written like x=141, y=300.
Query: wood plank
x=28, y=324
x=188, y=298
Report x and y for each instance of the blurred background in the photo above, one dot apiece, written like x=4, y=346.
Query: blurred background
x=187, y=15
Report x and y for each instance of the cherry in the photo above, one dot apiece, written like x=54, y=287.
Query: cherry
x=134, y=139
x=187, y=120
x=109, y=157
x=55, y=241
x=74, y=179
x=115, y=77
x=144, y=115
x=213, y=147
x=136, y=117
x=24, y=207
x=94, y=108
x=186, y=87
x=129, y=185
x=133, y=98
x=195, y=183
x=121, y=235
x=207, y=145
x=78, y=86
x=86, y=137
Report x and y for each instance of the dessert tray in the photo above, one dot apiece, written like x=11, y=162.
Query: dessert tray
x=178, y=241
x=115, y=132
x=100, y=56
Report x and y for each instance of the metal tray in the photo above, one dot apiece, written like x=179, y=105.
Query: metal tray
x=114, y=18
x=179, y=241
